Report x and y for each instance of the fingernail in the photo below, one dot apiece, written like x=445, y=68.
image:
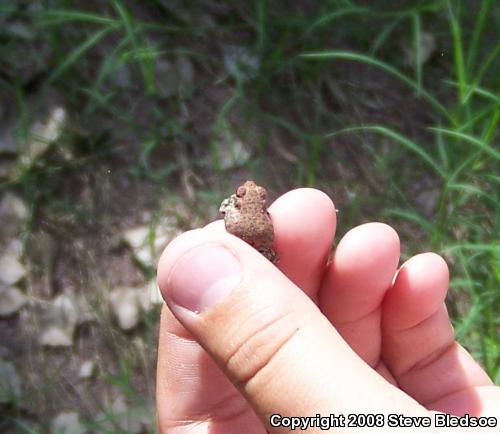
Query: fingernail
x=203, y=276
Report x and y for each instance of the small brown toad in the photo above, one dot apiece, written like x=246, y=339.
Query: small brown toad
x=246, y=216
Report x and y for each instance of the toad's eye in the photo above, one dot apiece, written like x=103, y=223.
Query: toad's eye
x=241, y=191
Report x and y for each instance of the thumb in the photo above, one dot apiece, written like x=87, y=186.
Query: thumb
x=268, y=337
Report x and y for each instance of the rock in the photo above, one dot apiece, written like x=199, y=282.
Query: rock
x=128, y=303
x=43, y=136
x=14, y=248
x=240, y=62
x=150, y=296
x=125, y=306
x=137, y=237
x=148, y=242
x=87, y=369
x=11, y=300
x=232, y=153
x=58, y=322
x=68, y=423
x=54, y=336
x=426, y=202
x=10, y=383
x=86, y=313
x=13, y=215
x=13, y=207
x=7, y=143
x=427, y=50
x=11, y=270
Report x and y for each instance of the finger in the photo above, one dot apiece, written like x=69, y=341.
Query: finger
x=304, y=223
x=304, y=226
x=418, y=339
x=266, y=334
x=355, y=283
x=186, y=381
x=474, y=401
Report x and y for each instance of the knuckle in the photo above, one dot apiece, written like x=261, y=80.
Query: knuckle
x=260, y=339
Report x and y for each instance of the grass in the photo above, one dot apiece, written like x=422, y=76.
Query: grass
x=333, y=104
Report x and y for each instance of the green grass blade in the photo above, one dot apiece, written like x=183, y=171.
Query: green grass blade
x=485, y=93
x=492, y=127
x=352, y=9
x=407, y=143
x=466, y=162
x=458, y=53
x=348, y=55
x=417, y=46
x=477, y=117
x=289, y=126
x=445, y=161
x=473, y=247
x=470, y=139
x=58, y=16
x=145, y=65
x=384, y=34
x=469, y=322
x=492, y=57
x=476, y=35
x=410, y=216
x=79, y=51
x=61, y=16
x=261, y=25
x=339, y=13
x=466, y=188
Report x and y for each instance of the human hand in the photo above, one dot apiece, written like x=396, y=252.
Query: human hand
x=354, y=336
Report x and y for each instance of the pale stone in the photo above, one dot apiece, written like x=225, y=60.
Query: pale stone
x=14, y=247
x=68, y=423
x=58, y=322
x=43, y=135
x=86, y=313
x=147, y=242
x=150, y=296
x=232, y=153
x=125, y=306
x=13, y=207
x=56, y=337
x=11, y=300
x=426, y=202
x=87, y=369
x=240, y=62
x=11, y=270
x=427, y=49
x=136, y=237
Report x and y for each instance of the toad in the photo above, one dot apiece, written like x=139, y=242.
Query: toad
x=245, y=215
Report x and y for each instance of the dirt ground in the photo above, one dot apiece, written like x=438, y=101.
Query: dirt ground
x=83, y=196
